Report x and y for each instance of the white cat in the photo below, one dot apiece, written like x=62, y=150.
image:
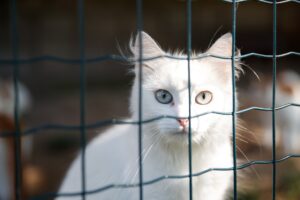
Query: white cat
x=112, y=158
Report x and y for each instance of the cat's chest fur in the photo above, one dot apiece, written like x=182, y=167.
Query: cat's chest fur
x=174, y=162
x=120, y=145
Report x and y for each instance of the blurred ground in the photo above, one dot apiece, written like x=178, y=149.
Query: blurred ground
x=50, y=27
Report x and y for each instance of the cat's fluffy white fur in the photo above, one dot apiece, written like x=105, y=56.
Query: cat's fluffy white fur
x=112, y=157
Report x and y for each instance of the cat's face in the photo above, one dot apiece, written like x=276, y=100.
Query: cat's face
x=165, y=91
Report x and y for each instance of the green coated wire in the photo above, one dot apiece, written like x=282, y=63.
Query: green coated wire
x=235, y=195
x=189, y=52
x=17, y=133
x=83, y=140
x=112, y=57
x=139, y=27
x=265, y=1
x=274, y=100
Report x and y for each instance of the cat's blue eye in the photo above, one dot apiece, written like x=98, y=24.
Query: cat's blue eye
x=163, y=96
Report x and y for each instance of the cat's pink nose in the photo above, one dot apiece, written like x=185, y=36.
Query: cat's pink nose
x=183, y=122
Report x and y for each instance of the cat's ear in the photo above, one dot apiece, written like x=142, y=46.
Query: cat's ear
x=149, y=47
x=222, y=47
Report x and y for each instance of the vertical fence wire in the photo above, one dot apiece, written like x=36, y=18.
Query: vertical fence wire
x=189, y=51
x=274, y=100
x=17, y=133
x=81, y=26
x=139, y=27
x=234, y=100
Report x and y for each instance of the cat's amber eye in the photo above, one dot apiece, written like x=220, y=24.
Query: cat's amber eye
x=204, y=97
x=163, y=96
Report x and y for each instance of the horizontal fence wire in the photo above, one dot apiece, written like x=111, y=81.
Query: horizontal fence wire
x=17, y=62
x=265, y=1
x=112, y=57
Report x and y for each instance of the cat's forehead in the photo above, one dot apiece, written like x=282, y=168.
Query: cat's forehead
x=174, y=74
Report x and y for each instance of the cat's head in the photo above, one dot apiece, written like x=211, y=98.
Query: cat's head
x=165, y=90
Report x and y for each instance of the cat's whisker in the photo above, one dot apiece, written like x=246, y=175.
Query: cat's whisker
x=242, y=128
x=251, y=167
x=145, y=153
x=242, y=140
x=150, y=147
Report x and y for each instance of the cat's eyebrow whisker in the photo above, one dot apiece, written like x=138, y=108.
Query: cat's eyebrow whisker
x=251, y=69
x=213, y=37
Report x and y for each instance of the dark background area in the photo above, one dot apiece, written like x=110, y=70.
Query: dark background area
x=50, y=27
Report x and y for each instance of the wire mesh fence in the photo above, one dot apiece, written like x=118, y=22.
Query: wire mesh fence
x=16, y=61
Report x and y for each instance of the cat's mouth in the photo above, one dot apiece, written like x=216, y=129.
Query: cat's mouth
x=185, y=131
x=178, y=131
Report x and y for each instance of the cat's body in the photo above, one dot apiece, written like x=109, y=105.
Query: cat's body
x=112, y=158
x=120, y=146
